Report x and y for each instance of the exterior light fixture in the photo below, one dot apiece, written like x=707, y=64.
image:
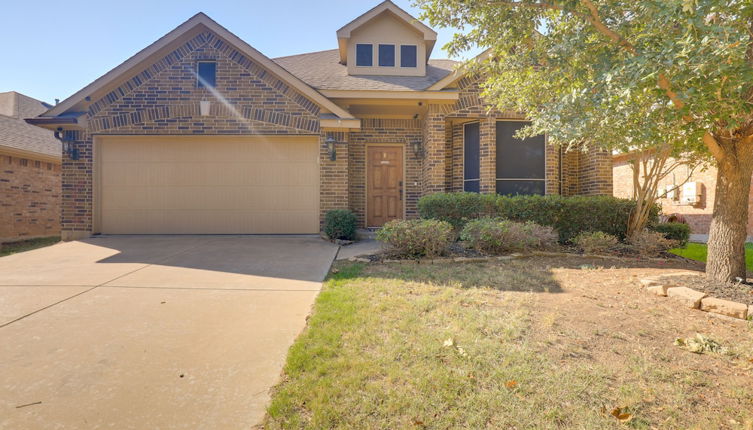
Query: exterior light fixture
x=417, y=147
x=67, y=140
x=330, y=142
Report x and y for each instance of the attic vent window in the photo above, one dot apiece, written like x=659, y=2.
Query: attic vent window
x=364, y=55
x=386, y=55
x=206, y=72
x=408, y=56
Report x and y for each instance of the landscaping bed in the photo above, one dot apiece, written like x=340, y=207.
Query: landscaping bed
x=736, y=292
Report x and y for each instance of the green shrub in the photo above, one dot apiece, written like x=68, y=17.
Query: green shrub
x=416, y=238
x=456, y=208
x=497, y=236
x=651, y=243
x=340, y=224
x=676, y=231
x=595, y=242
x=570, y=216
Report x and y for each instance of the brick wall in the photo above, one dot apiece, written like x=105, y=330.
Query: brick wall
x=697, y=216
x=29, y=198
x=163, y=98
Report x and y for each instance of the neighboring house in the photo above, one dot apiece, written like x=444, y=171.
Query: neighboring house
x=686, y=192
x=201, y=133
x=29, y=172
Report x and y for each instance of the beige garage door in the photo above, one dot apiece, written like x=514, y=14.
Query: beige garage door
x=207, y=185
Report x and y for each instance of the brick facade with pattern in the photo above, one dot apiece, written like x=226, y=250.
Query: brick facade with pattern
x=29, y=197
x=163, y=99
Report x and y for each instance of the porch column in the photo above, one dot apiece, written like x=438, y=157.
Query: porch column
x=433, y=173
x=488, y=155
x=333, y=175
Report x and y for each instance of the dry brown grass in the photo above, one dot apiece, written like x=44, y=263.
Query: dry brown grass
x=535, y=343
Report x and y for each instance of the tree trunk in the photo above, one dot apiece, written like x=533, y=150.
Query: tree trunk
x=729, y=224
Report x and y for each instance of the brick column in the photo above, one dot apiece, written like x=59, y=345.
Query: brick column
x=333, y=175
x=433, y=172
x=488, y=155
x=76, y=211
x=553, y=169
x=595, y=172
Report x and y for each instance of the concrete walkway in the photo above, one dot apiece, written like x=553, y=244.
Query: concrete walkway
x=363, y=247
x=152, y=331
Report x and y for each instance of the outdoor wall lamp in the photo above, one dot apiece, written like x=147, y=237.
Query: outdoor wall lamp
x=416, y=145
x=331, y=150
x=67, y=140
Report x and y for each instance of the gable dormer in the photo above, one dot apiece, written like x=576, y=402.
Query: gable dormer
x=386, y=41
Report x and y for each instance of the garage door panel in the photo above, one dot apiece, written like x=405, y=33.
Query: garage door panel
x=208, y=184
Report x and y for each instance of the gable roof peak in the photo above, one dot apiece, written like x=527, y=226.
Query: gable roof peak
x=100, y=86
x=343, y=34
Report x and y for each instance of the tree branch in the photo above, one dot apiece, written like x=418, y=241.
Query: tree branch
x=713, y=145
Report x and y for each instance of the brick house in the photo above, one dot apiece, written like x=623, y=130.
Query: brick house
x=201, y=133
x=29, y=172
x=691, y=195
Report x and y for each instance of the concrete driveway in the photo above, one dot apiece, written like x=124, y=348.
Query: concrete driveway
x=152, y=332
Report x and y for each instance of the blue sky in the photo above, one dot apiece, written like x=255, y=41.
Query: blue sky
x=54, y=48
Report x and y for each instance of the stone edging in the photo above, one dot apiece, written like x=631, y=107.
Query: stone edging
x=695, y=299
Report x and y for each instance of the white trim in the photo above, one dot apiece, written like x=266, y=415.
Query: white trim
x=196, y=20
x=449, y=96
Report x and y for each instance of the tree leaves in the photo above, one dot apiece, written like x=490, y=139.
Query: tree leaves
x=583, y=89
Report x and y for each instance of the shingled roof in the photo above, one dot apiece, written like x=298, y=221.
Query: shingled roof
x=323, y=71
x=16, y=134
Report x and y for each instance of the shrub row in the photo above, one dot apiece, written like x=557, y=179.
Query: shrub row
x=497, y=236
x=570, y=216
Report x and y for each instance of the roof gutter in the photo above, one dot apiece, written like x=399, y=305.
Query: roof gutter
x=54, y=123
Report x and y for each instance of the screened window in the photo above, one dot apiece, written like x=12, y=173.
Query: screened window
x=471, y=157
x=520, y=163
x=207, y=74
x=364, y=55
x=408, y=56
x=386, y=55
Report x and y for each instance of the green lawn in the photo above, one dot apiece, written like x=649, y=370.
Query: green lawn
x=698, y=251
x=27, y=245
x=503, y=345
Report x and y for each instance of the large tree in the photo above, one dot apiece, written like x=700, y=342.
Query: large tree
x=588, y=71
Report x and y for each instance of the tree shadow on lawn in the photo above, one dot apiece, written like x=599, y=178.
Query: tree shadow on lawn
x=533, y=274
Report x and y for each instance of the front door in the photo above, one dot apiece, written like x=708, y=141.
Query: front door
x=384, y=184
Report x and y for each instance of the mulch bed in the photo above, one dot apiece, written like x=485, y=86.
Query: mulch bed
x=741, y=293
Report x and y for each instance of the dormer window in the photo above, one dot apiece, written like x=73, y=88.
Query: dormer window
x=364, y=55
x=408, y=55
x=386, y=55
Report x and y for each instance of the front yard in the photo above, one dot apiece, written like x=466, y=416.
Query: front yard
x=699, y=251
x=531, y=343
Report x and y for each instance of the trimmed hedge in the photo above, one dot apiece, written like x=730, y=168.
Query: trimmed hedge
x=677, y=231
x=416, y=238
x=457, y=208
x=340, y=224
x=570, y=216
